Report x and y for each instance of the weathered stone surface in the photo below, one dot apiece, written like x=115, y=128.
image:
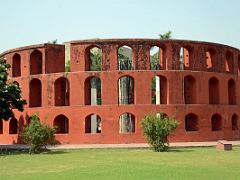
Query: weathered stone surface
x=204, y=96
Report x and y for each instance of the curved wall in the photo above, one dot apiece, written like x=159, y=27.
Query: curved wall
x=201, y=89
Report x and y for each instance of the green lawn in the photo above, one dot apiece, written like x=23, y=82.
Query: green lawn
x=180, y=163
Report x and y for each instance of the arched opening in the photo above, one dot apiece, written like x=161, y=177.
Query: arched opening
x=1, y=126
x=61, y=124
x=61, y=89
x=13, y=126
x=189, y=84
x=127, y=123
x=92, y=90
x=231, y=92
x=35, y=93
x=210, y=59
x=184, y=56
x=36, y=62
x=125, y=58
x=191, y=122
x=93, y=124
x=16, y=65
x=234, y=122
x=159, y=90
x=229, y=62
x=126, y=90
x=216, y=122
x=213, y=85
x=155, y=56
x=93, y=59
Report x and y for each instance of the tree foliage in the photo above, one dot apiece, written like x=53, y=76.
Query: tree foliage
x=167, y=35
x=55, y=41
x=37, y=135
x=155, y=61
x=10, y=93
x=67, y=66
x=124, y=61
x=96, y=60
x=157, y=128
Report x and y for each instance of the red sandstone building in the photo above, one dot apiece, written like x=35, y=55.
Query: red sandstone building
x=198, y=83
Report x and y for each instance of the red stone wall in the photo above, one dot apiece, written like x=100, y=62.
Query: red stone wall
x=225, y=66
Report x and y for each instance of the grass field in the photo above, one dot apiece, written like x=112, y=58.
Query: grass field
x=180, y=163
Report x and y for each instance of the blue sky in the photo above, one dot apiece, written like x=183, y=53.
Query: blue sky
x=28, y=22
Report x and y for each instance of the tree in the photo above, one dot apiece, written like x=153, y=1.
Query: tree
x=96, y=60
x=10, y=93
x=67, y=66
x=53, y=41
x=124, y=61
x=167, y=35
x=37, y=135
x=157, y=128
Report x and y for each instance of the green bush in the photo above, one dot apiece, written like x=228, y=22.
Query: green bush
x=37, y=135
x=157, y=128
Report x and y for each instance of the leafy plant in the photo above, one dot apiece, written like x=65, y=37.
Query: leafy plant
x=167, y=35
x=37, y=135
x=10, y=93
x=157, y=128
x=68, y=66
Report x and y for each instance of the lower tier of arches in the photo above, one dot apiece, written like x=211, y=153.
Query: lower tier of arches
x=122, y=124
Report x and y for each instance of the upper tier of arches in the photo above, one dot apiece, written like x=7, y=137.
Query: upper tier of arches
x=124, y=54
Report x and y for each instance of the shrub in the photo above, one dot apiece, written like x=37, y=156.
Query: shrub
x=37, y=135
x=157, y=128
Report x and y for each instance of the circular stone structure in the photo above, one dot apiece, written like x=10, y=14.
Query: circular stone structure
x=196, y=82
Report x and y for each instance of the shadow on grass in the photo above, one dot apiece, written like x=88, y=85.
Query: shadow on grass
x=10, y=152
x=54, y=152
x=180, y=150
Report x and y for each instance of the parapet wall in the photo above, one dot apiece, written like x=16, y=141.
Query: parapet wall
x=199, y=85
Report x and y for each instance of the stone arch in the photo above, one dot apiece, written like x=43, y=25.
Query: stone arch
x=210, y=56
x=1, y=126
x=62, y=90
x=189, y=84
x=93, y=58
x=191, y=122
x=35, y=93
x=213, y=89
x=159, y=90
x=61, y=123
x=125, y=61
x=231, y=92
x=13, y=126
x=36, y=62
x=229, y=62
x=127, y=123
x=216, y=122
x=126, y=90
x=16, y=65
x=156, y=58
x=92, y=91
x=93, y=124
x=184, y=58
x=234, y=122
